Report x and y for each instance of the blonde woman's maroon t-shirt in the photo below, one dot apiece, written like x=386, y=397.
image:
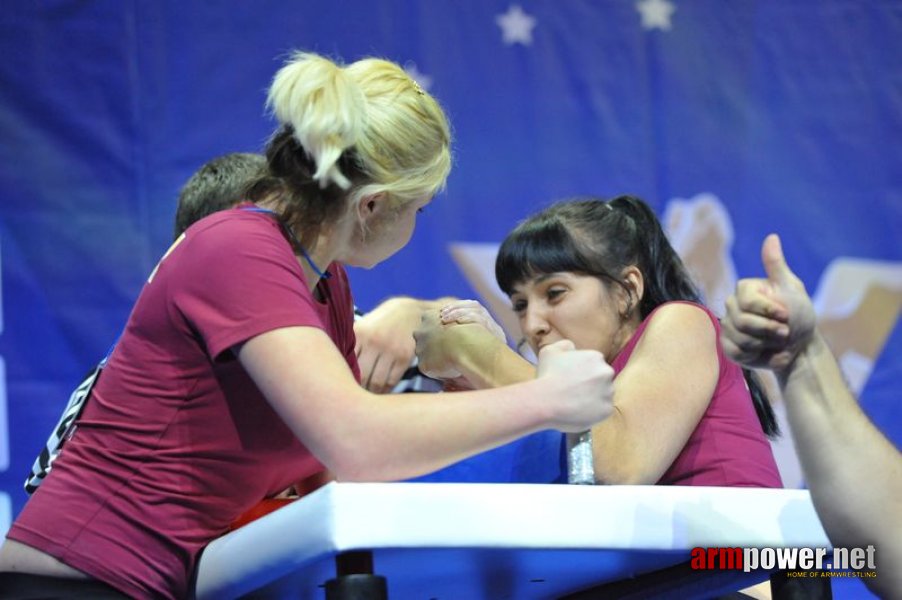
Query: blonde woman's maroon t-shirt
x=176, y=441
x=728, y=446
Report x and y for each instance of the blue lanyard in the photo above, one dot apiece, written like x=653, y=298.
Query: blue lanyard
x=320, y=273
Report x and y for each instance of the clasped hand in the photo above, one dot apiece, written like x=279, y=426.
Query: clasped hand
x=444, y=333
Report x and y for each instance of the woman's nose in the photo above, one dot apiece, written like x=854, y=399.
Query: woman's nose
x=535, y=325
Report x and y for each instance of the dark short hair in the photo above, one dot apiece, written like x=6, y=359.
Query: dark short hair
x=218, y=184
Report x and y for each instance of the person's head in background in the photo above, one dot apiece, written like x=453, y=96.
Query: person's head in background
x=591, y=271
x=359, y=150
x=219, y=184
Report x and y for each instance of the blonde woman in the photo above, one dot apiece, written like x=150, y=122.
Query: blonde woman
x=236, y=373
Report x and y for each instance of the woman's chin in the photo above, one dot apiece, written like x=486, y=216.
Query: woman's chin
x=361, y=263
x=367, y=262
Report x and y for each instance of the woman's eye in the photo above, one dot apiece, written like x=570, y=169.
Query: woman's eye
x=554, y=293
x=519, y=306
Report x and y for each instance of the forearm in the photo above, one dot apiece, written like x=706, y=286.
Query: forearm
x=394, y=437
x=615, y=458
x=854, y=473
x=359, y=435
x=627, y=455
x=484, y=360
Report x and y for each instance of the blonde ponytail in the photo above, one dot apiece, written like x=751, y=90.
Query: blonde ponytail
x=348, y=132
x=325, y=108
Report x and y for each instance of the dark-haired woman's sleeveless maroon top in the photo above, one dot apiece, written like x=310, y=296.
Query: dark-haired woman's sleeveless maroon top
x=728, y=446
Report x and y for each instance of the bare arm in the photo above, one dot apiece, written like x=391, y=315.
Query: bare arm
x=853, y=472
x=841, y=452
x=659, y=398
x=362, y=436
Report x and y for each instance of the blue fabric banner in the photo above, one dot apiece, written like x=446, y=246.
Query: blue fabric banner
x=732, y=119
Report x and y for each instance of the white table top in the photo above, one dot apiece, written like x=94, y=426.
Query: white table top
x=494, y=541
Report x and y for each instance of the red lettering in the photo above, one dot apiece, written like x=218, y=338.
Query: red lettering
x=733, y=558
x=716, y=558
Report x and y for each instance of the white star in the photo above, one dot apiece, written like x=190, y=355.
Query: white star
x=516, y=26
x=655, y=13
x=424, y=81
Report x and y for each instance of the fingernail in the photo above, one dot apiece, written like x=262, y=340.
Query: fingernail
x=783, y=331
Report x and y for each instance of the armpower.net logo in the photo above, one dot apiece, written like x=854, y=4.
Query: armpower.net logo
x=797, y=562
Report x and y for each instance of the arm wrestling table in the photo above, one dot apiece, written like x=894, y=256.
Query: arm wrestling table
x=449, y=541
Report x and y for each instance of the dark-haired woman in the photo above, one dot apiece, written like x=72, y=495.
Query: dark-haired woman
x=604, y=276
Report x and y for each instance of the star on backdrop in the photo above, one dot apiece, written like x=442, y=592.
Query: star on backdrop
x=516, y=26
x=655, y=14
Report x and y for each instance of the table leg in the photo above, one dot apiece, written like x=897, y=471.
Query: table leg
x=354, y=578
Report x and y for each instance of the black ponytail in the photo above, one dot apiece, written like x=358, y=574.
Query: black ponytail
x=762, y=404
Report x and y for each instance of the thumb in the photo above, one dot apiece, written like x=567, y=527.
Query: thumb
x=558, y=347
x=774, y=264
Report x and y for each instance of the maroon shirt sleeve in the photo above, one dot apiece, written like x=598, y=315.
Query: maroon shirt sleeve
x=238, y=278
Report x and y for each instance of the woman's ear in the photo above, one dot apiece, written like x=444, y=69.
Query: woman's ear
x=632, y=278
x=372, y=207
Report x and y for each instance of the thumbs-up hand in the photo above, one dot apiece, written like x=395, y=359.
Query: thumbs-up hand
x=769, y=321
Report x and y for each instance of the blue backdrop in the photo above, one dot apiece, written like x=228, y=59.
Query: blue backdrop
x=733, y=119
